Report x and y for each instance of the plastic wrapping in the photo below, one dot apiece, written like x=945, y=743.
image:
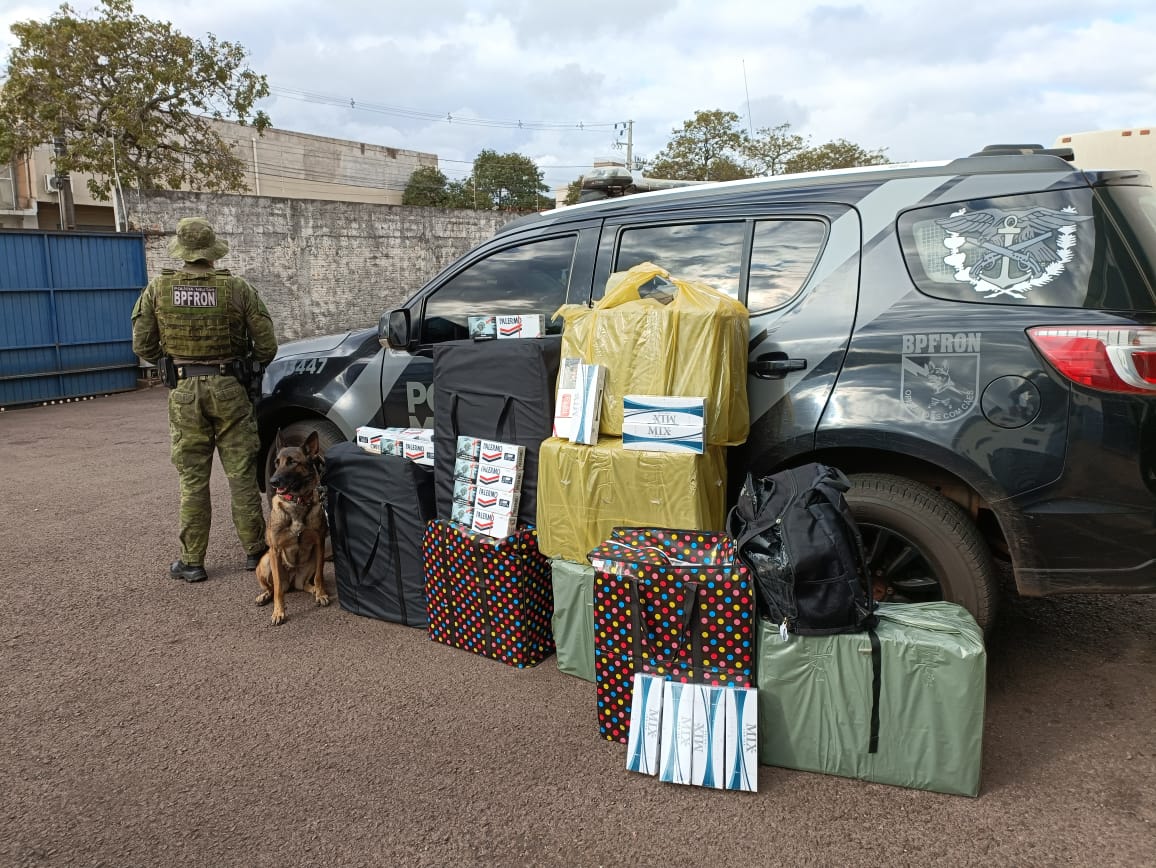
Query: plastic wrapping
x=584, y=492
x=573, y=619
x=815, y=700
x=695, y=345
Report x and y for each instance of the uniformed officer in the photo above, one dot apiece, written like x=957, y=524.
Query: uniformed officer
x=208, y=322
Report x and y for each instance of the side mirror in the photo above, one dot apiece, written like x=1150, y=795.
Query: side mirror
x=393, y=329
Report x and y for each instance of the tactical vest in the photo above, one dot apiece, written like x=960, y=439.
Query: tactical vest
x=199, y=315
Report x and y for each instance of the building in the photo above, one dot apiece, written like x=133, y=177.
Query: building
x=280, y=163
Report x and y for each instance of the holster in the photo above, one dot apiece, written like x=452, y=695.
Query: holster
x=168, y=371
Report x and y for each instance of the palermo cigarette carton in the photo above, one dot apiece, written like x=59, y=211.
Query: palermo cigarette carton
x=521, y=326
x=466, y=469
x=495, y=524
x=482, y=328
x=370, y=438
x=468, y=447
x=503, y=455
x=418, y=451
x=499, y=478
x=464, y=492
x=462, y=513
x=496, y=501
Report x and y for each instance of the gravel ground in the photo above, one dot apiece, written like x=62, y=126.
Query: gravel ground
x=147, y=721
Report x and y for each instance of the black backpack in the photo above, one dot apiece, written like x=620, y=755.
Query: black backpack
x=795, y=532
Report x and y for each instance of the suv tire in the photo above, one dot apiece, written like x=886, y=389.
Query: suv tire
x=902, y=520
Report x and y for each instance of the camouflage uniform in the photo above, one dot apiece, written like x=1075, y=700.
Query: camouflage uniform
x=204, y=316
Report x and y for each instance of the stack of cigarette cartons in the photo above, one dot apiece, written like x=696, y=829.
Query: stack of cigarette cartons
x=416, y=444
x=487, y=485
x=578, y=405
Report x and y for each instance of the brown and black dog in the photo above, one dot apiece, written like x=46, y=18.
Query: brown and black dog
x=297, y=528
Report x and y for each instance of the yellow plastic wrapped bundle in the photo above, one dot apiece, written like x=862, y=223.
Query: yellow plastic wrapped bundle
x=584, y=492
x=695, y=345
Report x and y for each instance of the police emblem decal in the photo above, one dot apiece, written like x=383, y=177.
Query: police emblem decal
x=1010, y=253
x=939, y=380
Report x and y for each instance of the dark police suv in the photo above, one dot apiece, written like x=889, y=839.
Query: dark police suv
x=973, y=341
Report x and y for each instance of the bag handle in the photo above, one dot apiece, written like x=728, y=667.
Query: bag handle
x=634, y=598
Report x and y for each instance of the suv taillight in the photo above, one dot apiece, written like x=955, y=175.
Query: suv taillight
x=1112, y=359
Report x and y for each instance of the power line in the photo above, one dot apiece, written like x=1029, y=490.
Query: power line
x=438, y=117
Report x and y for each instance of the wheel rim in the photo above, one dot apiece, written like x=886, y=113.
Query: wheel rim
x=899, y=570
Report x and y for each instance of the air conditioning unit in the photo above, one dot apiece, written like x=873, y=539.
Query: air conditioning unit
x=52, y=183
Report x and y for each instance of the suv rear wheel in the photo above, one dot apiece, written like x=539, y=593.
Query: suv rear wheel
x=921, y=546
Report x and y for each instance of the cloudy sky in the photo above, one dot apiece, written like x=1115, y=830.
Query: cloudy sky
x=924, y=80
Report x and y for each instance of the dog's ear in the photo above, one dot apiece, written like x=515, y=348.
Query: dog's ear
x=312, y=446
x=280, y=442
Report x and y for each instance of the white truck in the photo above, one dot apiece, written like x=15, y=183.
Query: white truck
x=1113, y=149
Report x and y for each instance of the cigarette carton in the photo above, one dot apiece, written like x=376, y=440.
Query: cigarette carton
x=741, y=771
x=482, y=328
x=706, y=763
x=521, y=326
x=464, y=492
x=645, y=724
x=466, y=469
x=495, y=524
x=418, y=451
x=462, y=513
x=578, y=405
x=499, y=478
x=663, y=410
x=662, y=438
x=468, y=447
x=495, y=501
x=676, y=745
x=370, y=438
x=503, y=455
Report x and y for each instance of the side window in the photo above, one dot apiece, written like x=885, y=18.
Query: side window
x=782, y=255
x=1053, y=249
x=530, y=278
x=707, y=252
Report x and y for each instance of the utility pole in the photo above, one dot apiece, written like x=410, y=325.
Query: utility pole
x=630, y=146
x=64, y=196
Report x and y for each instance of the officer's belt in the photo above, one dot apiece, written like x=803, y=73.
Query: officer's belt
x=222, y=369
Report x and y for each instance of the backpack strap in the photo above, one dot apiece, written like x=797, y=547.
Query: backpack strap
x=876, y=688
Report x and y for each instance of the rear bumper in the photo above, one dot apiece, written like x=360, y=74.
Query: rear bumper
x=1085, y=548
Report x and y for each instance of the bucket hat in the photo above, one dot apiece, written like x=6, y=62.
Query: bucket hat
x=195, y=239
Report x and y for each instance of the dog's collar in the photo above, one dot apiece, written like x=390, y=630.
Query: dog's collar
x=294, y=498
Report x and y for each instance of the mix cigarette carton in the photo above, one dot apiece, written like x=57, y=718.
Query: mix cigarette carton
x=578, y=404
x=663, y=423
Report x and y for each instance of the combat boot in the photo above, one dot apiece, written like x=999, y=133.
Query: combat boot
x=178, y=569
x=252, y=560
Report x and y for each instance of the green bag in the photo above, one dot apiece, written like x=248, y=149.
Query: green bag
x=815, y=700
x=573, y=620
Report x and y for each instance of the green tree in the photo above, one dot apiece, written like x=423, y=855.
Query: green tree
x=573, y=191
x=427, y=186
x=836, y=154
x=772, y=147
x=709, y=147
x=507, y=182
x=128, y=96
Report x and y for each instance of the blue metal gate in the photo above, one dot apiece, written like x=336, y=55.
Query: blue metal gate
x=65, y=303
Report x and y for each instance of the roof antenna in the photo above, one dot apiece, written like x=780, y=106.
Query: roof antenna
x=750, y=125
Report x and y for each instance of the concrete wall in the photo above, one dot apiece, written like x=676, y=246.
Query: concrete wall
x=320, y=266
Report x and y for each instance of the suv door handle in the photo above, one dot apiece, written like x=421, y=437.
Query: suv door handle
x=775, y=366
